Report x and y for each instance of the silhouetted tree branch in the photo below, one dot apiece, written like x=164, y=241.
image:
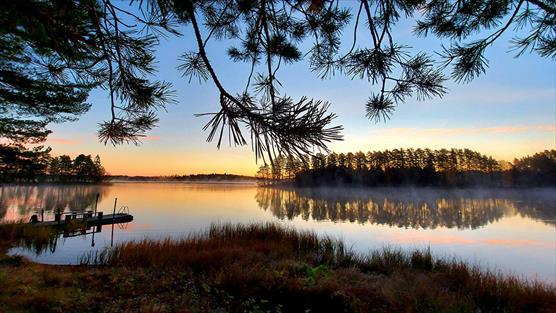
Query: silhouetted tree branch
x=53, y=53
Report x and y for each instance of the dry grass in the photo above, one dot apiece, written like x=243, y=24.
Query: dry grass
x=282, y=264
x=264, y=268
x=224, y=244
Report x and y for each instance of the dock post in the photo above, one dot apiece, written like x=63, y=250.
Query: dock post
x=96, y=203
x=58, y=216
x=113, y=216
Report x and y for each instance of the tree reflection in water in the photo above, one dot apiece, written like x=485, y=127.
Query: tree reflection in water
x=26, y=200
x=40, y=239
x=409, y=207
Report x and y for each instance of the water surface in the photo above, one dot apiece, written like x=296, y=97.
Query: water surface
x=513, y=231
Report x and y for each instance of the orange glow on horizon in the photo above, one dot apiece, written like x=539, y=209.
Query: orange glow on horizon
x=161, y=156
x=150, y=164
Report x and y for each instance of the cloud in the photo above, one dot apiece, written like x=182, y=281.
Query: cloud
x=459, y=131
x=500, y=95
x=150, y=138
x=63, y=141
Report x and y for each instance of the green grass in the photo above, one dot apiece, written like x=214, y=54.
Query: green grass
x=264, y=268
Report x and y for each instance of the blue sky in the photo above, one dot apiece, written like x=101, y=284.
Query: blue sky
x=508, y=112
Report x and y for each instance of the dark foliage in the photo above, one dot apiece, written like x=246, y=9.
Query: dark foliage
x=19, y=164
x=541, y=167
x=267, y=34
x=52, y=53
x=421, y=167
x=42, y=45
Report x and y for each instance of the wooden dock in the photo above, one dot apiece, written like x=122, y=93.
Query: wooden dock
x=88, y=218
x=72, y=224
x=92, y=221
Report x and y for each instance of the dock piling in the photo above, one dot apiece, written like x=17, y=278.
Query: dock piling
x=113, y=216
x=58, y=216
x=96, y=203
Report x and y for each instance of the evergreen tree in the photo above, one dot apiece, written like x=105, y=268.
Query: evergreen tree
x=54, y=167
x=53, y=53
x=18, y=163
x=83, y=167
x=66, y=166
x=360, y=161
x=332, y=160
x=264, y=172
x=342, y=160
x=423, y=167
x=99, y=169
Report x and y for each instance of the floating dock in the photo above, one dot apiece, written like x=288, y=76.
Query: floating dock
x=73, y=224
x=87, y=218
x=94, y=221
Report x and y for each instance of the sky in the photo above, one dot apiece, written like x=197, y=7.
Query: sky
x=508, y=112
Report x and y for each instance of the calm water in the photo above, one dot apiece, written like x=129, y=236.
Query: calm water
x=509, y=231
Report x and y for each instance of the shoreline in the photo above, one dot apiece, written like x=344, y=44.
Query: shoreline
x=236, y=268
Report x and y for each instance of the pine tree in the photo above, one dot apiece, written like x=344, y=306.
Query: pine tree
x=53, y=53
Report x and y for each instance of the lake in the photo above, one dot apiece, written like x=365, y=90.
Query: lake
x=512, y=231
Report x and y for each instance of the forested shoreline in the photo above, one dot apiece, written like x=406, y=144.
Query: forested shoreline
x=213, y=177
x=36, y=165
x=417, y=167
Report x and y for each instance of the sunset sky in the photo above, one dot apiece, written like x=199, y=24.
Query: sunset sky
x=508, y=112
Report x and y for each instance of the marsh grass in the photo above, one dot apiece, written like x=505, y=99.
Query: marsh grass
x=300, y=269
x=222, y=243
x=265, y=268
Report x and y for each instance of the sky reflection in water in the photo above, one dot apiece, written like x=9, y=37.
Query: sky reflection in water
x=509, y=230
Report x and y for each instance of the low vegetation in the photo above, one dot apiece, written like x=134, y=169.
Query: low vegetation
x=260, y=268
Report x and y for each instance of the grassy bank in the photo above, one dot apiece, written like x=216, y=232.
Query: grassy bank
x=260, y=268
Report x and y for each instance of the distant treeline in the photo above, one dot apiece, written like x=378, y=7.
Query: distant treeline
x=419, y=167
x=191, y=178
x=21, y=165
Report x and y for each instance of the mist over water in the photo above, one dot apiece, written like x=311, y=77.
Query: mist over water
x=511, y=230
x=410, y=207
